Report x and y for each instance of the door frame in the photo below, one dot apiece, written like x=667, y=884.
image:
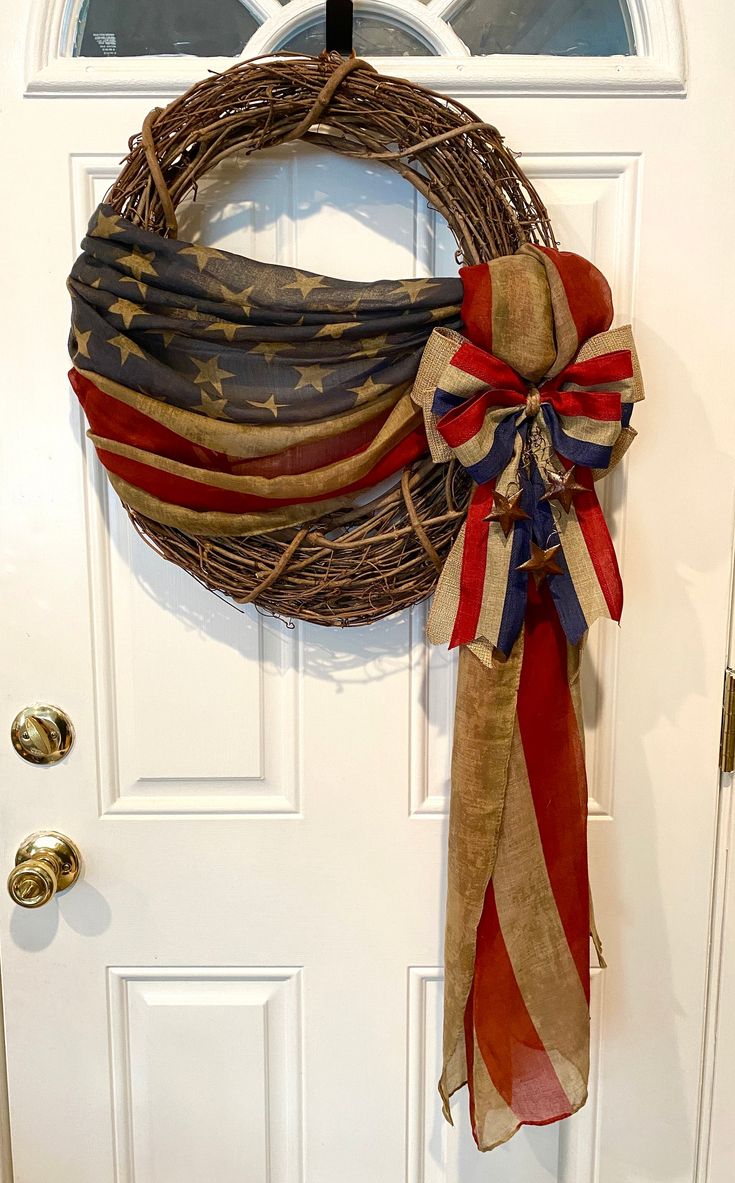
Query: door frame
x=659, y=70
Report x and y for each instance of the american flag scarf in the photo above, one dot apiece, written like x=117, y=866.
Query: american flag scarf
x=535, y=403
x=229, y=396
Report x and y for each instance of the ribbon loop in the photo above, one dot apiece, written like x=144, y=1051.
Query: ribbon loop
x=534, y=453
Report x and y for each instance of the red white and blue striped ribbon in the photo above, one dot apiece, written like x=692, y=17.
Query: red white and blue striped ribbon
x=480, y=407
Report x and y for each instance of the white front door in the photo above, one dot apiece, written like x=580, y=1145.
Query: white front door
x=245, y=986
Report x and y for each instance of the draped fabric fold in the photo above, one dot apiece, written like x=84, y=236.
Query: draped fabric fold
x=231, y=396
x=516, y=1018
x=535, y=404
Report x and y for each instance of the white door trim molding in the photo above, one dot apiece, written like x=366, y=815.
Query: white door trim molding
x=717, y=1087
x=6, y=1157
x=659, y=67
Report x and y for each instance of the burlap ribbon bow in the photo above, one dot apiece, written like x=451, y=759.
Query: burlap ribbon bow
x=535, y=417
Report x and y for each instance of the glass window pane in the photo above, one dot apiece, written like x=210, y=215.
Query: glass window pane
x=136, y=28
x=573, y=28
x=373, y=36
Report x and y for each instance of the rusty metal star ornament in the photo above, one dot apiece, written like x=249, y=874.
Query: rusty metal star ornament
x=506, y=511
x=562, y=489
x=541, y=563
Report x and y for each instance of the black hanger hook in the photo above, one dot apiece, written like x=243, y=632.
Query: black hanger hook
x=339, y=26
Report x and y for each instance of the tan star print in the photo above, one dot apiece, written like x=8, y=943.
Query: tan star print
x=313, y=376
x=241, y=298
x=96, y=282
x=126, y=347
x=210, y=373
x=413, y=288
x=202, y=254
x=214, y=407
x=369, y=388
x=269, y=404
x=127, y=310
x=168, y=337
x=106, y=225
x=371, y=346
x=335, y=330
x=269, y=349
x=223, y=326
x=142, y=287
x=82, y=342
x=138, y=262
x=305, y=283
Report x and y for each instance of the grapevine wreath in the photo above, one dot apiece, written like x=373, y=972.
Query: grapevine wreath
x=335, y=451
x=367, y=560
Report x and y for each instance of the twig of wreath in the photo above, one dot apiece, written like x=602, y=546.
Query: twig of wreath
x=356, y=565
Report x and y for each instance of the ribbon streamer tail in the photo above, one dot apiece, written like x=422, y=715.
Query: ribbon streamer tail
x=518, y=918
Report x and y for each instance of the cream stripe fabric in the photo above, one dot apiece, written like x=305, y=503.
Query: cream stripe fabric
x=574, y=670
x=245, y=440
x=477, y=448
x=497, y=566
x=500, y=1122
x=624, y=388
x=403, y=419
x=596, y=431
x=499, y=552
x=217, y=523
x=457, y=381
x=440, y=624
x=439, y=351
x=522, y=328
x=589, y=593
x=565, y=330
x=485, y=717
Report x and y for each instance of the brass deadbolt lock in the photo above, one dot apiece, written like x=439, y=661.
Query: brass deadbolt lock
x=42, y=734
x=46, y=863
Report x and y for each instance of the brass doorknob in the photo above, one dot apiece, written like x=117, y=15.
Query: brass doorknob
x=46, y=863
x=42, y=734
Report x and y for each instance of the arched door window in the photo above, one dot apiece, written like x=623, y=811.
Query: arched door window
x=412, y=28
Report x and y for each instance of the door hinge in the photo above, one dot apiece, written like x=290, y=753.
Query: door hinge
x=727, y=734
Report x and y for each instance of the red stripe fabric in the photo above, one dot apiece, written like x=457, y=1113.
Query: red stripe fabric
x=115, y=420
x=587, y=291
x=474, y=557
x=493, y=370
x=178, y=490
x=463, y=423
x=603, y=407
x=554, y=757
x=607, y=367
x=515, y=1057
x=598, y=542
x=477, y=304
